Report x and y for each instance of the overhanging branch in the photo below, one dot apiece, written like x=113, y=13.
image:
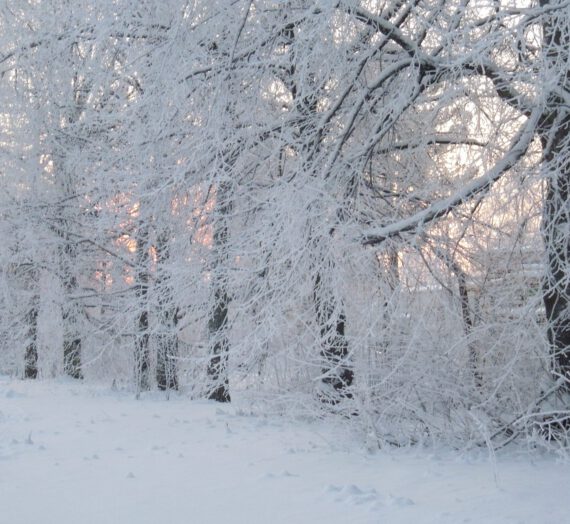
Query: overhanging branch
x=442, y=208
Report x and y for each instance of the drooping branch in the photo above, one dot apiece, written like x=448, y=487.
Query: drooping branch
x=442, y=208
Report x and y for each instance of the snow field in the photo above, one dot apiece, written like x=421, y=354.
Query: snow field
x=72, y=453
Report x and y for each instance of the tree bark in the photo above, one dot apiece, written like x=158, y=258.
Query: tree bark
x=167, y=343
x=554, y=131
x=217, y=323
x=465, y=303
x=70, y=316
x=217, y=367
x=31, y=354
x=142, y=352
x=337, y=373
x=468, y=326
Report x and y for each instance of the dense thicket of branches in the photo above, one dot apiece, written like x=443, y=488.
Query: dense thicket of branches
x=337, y=206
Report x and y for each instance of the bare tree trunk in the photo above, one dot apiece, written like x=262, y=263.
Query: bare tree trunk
x=555, y=137
x=337, y=372
x=70, y=314
x=142, y=351
x=167, y=352
x=217, y=367
x=31, y=354
x=217, y=323
x=167, y=343
x=465, y=303
x=557, y=281
x=468, y=325
x=72, y=357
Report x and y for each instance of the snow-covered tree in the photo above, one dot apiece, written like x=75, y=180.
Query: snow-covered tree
x=362, y=203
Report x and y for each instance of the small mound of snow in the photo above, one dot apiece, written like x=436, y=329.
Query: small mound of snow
x=399, y=501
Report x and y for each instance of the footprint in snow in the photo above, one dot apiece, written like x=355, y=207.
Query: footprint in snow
x=401, y=502
x=283, y=474
x=13, y=394
x=352, y=494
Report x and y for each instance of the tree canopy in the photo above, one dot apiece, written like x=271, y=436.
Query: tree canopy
x=347, y=207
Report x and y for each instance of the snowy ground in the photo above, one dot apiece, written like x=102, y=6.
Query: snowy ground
x=78, y=454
